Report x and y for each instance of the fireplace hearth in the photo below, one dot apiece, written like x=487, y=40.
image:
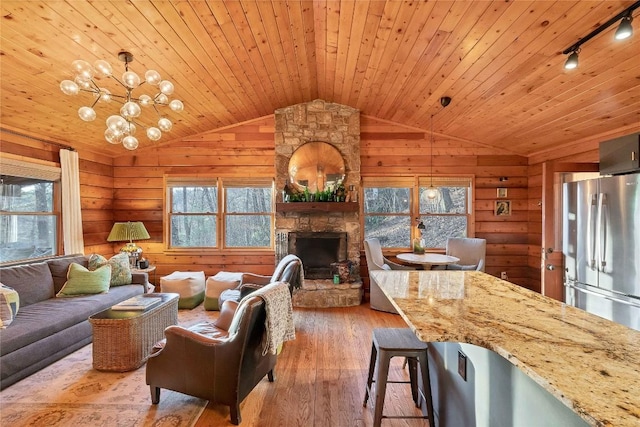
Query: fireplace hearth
x=318, y=250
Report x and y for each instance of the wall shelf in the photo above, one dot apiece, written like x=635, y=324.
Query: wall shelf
x=317, y=207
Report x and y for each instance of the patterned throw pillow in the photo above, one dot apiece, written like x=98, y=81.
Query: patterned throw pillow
x=9, y=305
x=120, y=269
x=81, y=281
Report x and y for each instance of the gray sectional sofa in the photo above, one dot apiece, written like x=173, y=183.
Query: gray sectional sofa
x=47, y=328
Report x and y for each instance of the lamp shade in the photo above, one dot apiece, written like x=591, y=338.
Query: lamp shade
x=128, y=231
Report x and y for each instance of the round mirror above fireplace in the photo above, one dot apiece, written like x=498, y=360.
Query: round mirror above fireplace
x=317, y=166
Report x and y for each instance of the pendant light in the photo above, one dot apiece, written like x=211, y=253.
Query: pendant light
x=432, y=192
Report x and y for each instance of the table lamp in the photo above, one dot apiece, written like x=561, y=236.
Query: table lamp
x=123, y=231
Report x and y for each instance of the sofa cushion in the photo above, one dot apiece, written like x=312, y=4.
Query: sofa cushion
x=120, y=268
x=60, y=267
x=81, y=281
x=9, y=305
x=46, y=318
x=33, y=282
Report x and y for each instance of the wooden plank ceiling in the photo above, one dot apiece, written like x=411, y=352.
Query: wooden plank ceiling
x=500, y=61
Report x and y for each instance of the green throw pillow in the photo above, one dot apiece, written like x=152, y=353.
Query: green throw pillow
x=9, y=305
x=81, y=281
x=120, y=270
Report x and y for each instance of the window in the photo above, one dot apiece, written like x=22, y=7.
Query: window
x=387, y=211
x=446, y=215
x=200, y=218
x=28, y=220
x=391, y=205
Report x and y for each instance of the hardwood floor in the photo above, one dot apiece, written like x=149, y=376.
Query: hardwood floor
x=320, y=377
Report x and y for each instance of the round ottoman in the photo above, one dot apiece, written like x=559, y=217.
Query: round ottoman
x=222, y=281
x=188, y=284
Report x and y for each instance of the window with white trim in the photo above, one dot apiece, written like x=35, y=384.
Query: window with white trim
x=393, y=206
x=220, y=213
x=29, y=211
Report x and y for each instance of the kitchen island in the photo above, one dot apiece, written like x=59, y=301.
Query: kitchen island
x=590, y=364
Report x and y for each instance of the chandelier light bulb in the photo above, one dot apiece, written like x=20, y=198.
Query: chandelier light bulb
x=154, y=134
x=130, y=110
x=112, y=136
x=69, y=88
x=162, y=99
x=82, y=68
x=131, y=79
x=165, y=124
x=103, y=68
x=176, y=105
x=83, y=83
x=152, y=77
x=130, y=142
x=104, y=95
x=145, y=100
x=166, y=87
x=116, y=123
x=87, y=114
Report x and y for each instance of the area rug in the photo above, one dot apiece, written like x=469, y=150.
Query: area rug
x=71, y=393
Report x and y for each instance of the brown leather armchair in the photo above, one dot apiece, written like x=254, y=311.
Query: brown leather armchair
x=220, y=361
x=289, y=270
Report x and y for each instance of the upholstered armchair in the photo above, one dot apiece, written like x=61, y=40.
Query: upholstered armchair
x=220, y=361
x=377, y=261
x=471, y=251
x=289, y=270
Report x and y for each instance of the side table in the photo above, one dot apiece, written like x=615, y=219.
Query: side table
x=148, y=270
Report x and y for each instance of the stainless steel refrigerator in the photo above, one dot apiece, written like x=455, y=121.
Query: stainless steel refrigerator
x=601, y=247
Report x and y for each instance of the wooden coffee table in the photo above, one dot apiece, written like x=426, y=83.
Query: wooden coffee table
x=122, y=340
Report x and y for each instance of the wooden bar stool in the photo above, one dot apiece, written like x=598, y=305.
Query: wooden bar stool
x=389, y=343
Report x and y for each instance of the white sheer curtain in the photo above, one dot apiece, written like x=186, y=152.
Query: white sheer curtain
x=71, y=209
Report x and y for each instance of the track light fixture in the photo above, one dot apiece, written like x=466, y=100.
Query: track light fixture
x=625, y=30
x=572, y=60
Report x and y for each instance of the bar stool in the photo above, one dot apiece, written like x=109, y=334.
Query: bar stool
x=389, y=343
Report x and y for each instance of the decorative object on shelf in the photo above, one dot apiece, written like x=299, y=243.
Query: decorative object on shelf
x=317, y=166
x=123, y=231
x=503, y=208
x=418, y=242
x=625, y=30
x=353, y=194
x=501, y=192
x=121, y=126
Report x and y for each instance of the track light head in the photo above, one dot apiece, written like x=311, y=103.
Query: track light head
x=625, y=29
x=572, y=61
x=445, y=100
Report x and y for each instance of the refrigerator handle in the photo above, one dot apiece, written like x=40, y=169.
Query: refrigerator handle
x=592, y=232
x=602, y=232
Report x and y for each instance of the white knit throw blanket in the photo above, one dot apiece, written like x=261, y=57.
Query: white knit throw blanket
x=279, y=322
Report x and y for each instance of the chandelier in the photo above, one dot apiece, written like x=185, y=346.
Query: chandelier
x=121, y=127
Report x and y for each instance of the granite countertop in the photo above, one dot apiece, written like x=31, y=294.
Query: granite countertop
x=590, y=364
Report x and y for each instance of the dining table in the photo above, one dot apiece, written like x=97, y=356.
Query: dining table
x=427, y=260
x=588, y=363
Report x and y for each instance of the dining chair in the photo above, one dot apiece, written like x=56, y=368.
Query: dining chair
x=377, y=261
x=471, y=251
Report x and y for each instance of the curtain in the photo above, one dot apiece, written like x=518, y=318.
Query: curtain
x=71, y=211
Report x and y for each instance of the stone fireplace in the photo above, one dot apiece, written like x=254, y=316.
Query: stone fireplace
x=338, y=125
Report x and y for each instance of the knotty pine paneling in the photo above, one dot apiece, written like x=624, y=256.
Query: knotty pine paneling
x=389, y=149
x=245, y=150
x=96, y=184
